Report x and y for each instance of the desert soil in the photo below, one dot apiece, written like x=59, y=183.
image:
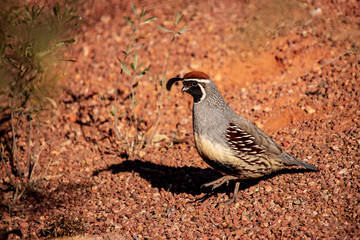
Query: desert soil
x=290, y=67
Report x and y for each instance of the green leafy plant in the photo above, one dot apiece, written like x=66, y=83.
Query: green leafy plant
x=31, y=40
x=136, y=71
x=175, y=33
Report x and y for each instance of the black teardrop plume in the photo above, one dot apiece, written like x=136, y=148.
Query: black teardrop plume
x=171, y=81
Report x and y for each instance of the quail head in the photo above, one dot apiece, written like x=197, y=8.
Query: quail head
x=228, y=142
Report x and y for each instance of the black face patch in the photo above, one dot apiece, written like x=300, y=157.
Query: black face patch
x=193, y=88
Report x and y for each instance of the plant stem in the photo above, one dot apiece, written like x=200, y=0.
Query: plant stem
x=33, y=157
x=29, y=146
x=162, y=93
x=13, y=130
x=6, y=168
x=132, y=116
x=117, y=134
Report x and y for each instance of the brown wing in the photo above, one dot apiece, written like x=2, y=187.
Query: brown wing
x=242, y=142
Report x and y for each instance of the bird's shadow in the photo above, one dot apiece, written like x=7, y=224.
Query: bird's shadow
x=184, y=179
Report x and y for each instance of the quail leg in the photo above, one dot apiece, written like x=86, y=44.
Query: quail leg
x=236, y=191
x=218, y=182
x=234, y=197
x=215, y=184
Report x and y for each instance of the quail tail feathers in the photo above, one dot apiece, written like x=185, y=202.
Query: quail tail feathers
x=291, y=160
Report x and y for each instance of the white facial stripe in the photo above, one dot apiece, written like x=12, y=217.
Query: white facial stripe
x=197, y=80
x=203, y=92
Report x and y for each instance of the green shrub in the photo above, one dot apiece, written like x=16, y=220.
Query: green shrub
x=30, y=44
x=131, y=65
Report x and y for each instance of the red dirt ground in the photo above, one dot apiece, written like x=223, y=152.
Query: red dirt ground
x=291, y=71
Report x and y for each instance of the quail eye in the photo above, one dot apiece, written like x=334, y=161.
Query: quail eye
x=193, y=84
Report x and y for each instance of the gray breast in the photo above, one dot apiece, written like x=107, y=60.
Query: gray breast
x=209, y=122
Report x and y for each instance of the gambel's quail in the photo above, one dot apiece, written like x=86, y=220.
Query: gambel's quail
x=227, y=141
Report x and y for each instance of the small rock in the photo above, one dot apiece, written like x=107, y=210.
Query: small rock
x=195, y=65
x=315, y=12
x=309, y=110
x=24, y=225
x=159, y=138
x=218, y=77
x=343, y=171
x=184, y=121
x=257, y=107
x=335, y=148
x=105, y=18
x=142, y=153
x=268, y=188
x=267, y=109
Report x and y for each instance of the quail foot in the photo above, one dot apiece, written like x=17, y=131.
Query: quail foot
x=228, y=142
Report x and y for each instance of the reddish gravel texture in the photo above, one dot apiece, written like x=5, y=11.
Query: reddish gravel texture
x=290, y=67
